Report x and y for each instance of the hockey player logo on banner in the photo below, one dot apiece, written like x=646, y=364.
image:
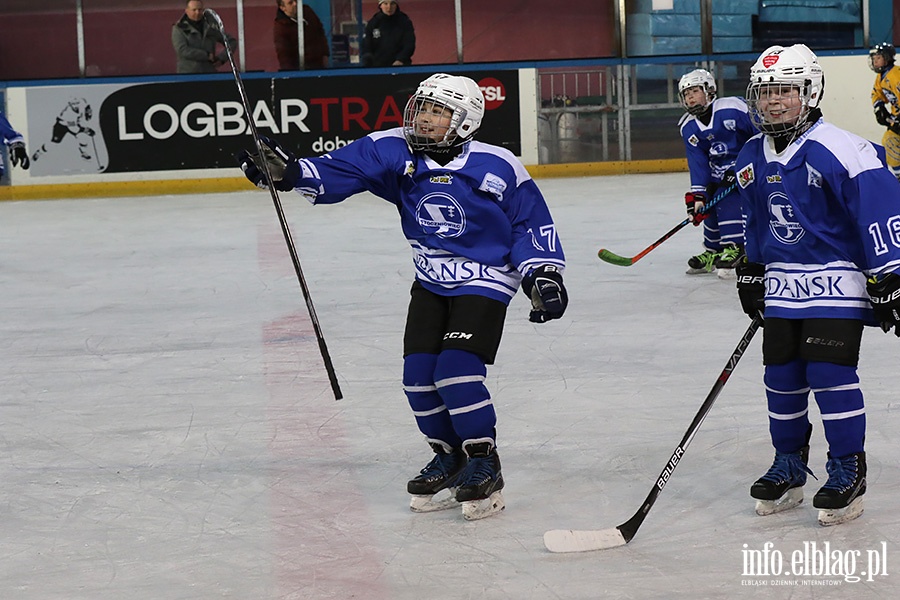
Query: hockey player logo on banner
x=75, y=121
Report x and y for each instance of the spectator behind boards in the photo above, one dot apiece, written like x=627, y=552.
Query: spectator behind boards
x=390, y=40
x=195, y=42
x=287, y=41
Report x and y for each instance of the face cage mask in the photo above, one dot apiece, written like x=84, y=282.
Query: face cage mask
x=416, y=141
x=785, y=129
x=888, y=63
x=697, y=109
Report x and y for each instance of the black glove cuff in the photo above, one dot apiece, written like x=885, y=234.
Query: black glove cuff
x=548, y=271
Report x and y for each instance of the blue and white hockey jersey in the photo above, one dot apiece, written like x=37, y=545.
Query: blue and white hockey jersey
x=712, y=149
x=7, y=133
x=476, y=225
x=822, y=216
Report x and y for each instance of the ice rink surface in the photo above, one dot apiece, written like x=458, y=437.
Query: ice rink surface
x=168, y=430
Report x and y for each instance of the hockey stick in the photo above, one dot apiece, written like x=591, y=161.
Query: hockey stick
x=622, y=261
x=567, y=540
x=285, y=229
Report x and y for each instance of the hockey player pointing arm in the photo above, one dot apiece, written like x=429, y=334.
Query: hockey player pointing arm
x=821, y=212
x=478, y=226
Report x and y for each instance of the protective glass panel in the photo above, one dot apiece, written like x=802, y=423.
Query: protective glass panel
x=38, y=40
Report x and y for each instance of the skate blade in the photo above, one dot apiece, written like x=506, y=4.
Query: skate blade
x=472, y=510
x=693, y=271
x=726, y=274
x=443, y=500
x=836, y=516
x=791, y=498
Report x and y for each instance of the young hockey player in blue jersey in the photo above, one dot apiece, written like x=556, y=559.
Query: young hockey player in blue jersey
x=822, y=212
x=16, y=143
x=478, y=226
x=713, y=130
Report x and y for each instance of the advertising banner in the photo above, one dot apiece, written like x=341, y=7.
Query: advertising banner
x=165, y=126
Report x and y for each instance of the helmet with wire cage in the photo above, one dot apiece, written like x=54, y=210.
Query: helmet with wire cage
x=887, y=52
x=775, y=75
x=456, y=97
x=697, y=78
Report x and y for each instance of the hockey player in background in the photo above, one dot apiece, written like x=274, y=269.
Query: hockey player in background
x=75, y=119
x=478, y=226
x=713, y=130
x=16, y=144
x=885, y=93
x=821, y=212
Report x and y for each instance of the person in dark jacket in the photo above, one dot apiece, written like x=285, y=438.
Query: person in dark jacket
x=287, y=44
x=390, y=39
x=195, y=42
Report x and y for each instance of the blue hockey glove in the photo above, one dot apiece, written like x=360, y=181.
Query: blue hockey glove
x=882, y=114
x=548, y=295
x=695, y=202
x=751, y=286
x=283, y=166
x=885, y=296
x=18, y=155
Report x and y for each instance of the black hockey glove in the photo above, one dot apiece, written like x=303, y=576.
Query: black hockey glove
x=885, y=295
x=283, y=166
x=548, y=295
x=695, y=202
x=751, y=286
x=895, y=127
x=18, y=155
x=882, y=114
x=728, y=180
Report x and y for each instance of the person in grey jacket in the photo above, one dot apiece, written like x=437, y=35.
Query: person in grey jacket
x=195, y=42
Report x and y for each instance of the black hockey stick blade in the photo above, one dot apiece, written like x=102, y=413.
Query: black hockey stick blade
x=570, y=540
x=625, y=261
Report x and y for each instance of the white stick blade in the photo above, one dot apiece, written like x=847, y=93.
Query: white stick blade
x=569, y=540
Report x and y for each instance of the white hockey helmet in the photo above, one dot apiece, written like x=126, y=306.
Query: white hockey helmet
x=697, y=78
x=776, y=72
x=460, y=95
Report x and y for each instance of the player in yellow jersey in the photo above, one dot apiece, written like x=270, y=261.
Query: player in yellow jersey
x=886, y=101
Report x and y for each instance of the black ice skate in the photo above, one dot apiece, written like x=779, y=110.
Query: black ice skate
x=481, y=482
x=438, y=475
x=781, y=487
x=703, y=263
x=727, y=260
x=841, y=498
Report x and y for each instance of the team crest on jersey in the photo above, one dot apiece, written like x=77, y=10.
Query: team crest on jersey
x=776, y=178
x=410, y=168
x=693, y=140
x=493, y=184
x=813, y=177
x=730, y=124
x=745, y=176
x=718, y=149
x=445, y=179
x=439, y=213
x=783, y=221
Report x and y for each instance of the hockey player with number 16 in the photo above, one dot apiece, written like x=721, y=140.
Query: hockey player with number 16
x=821, y=212
x=478, y=226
